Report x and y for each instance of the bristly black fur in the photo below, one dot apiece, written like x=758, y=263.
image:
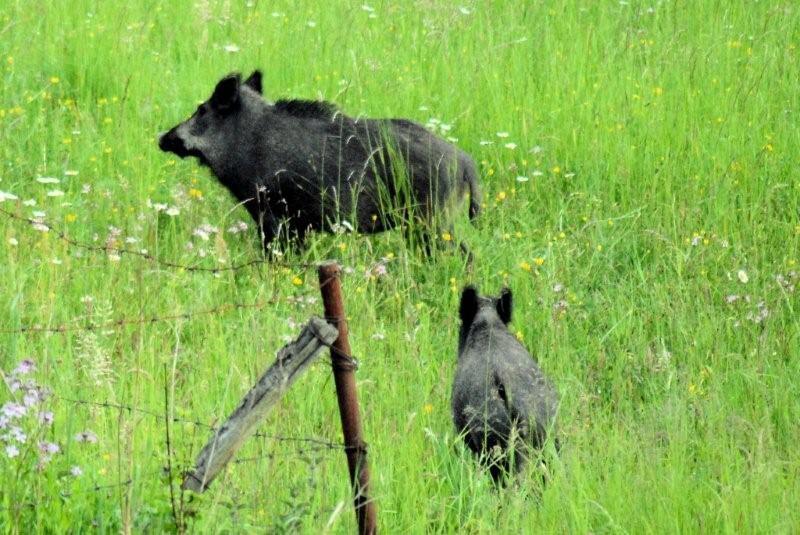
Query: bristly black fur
x=312, y=109
x=302, y=165
x=503, y=403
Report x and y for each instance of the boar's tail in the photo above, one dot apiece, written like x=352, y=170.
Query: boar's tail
x=471, y=177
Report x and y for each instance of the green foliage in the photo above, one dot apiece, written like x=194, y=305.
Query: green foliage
x=640, y=199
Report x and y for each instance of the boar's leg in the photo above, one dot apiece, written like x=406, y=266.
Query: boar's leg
x=267, y=224
x=434, y=238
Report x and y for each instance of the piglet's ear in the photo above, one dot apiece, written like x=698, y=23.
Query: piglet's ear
x=505, y=305
x=469, y=305
x=254, y=81
x=226, y=94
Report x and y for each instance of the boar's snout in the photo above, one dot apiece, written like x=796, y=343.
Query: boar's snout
x=171, y=142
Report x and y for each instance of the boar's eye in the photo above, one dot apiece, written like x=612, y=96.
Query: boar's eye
x=201, y=110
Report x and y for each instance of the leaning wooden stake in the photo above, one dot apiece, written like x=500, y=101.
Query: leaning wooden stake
x=343, y=368
x=292, y=361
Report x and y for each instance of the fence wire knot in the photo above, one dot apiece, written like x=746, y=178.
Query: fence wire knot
x=360, y=448
x=344, y=362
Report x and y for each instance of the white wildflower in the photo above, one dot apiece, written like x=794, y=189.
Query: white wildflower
x=5, y=196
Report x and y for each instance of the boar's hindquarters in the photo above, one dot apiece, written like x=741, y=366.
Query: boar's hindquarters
x=470, y=177
x=493, y=433
x=440, y=173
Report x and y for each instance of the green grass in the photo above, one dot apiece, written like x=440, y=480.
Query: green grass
x=663, y=175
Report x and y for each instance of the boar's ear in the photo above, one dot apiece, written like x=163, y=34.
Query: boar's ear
x=469, y=305
x=226, y=94
x=254, y=81
x=505, y=305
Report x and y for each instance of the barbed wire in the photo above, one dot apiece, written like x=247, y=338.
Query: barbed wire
x=139, y=320
x=162, y=472
x=122, y=322
x=70, y=327
x=32, y=223
x=326, y=444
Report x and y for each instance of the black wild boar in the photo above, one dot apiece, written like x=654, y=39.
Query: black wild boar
x=299, y=165
x=502, y=401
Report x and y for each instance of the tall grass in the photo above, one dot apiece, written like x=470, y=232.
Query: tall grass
x=641, y=199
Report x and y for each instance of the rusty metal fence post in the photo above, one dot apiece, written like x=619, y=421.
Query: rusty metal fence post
x=344, y=377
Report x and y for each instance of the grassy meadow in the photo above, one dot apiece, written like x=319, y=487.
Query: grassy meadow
x=640, y=199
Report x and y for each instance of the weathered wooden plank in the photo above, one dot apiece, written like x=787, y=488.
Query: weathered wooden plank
x=291, y=362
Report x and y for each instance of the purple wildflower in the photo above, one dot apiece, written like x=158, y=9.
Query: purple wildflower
x=14, y=384
x=76, y=471
x=12, y=451
x=31, y=397
x=48, y=447
x=560, y=306
x=761, y=315
x=13, y=410
x=17, y=434
x=377, y=271
x=46, y=417
x=25, y=367
x=86, y=436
